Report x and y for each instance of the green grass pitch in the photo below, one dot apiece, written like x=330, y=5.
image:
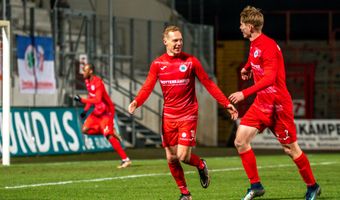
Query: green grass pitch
x=150, y=179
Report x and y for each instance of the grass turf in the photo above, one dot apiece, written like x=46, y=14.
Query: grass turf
x=150, y=179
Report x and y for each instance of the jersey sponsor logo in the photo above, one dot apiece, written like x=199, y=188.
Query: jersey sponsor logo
x=93, y=87
x=255, y=65
x=183, y=68
x=268, y=90
x=163, y=68
x=175, y=82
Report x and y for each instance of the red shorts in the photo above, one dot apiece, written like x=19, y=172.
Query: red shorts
x=281, y=123
x=179, y=132
x=99, y=124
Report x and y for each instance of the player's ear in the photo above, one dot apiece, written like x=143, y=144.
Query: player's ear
x=252, y=28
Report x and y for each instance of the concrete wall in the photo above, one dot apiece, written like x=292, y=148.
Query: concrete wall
x=140, y=9
x=146, y=9
x=31, y=100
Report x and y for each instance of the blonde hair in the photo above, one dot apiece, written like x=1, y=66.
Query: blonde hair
x=253, y=16
x=171, y=28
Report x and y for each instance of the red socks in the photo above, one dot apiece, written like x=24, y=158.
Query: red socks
x=196, y=161
x=178, y=174
x=249, y=164
x=305, y=170
x=117, y=147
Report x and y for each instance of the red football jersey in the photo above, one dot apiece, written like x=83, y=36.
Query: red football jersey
x=97, y=96
x=176, y=76
x=267, y=64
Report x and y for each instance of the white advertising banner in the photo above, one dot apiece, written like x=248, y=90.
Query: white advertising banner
x=312, y=134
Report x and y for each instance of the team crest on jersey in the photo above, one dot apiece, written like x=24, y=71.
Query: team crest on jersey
x=184, y=135
x=256, y=53
x=183, y=68
x=93, y=87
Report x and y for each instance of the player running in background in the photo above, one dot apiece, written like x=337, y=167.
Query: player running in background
x=100, y=121
x=272, y=107
x=176, y=72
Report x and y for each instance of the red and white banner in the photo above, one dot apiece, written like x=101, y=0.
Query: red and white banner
x=36, y=65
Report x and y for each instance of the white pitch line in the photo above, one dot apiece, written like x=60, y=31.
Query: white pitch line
x=150, y=175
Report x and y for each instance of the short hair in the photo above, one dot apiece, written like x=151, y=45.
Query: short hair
x=253, y=16
x=91, y=66
x=171, y=28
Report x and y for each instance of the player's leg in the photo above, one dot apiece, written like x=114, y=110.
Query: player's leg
x=126, y=162
x=108, y=131
x=186, y=140
x=176, y=170
x=305, y=170
x=170, y=142
x=285, y=131
x=244, y=135
x=184, y=154
x=249, y=126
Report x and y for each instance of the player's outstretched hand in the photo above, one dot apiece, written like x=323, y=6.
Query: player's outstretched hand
x=83, y=114
x=246, y=74
x=132, y=107
x=232, y=111
x=236, y=97
x=77, y=98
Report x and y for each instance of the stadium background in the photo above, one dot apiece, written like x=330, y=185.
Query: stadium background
x=124, y=45
x=50, y=159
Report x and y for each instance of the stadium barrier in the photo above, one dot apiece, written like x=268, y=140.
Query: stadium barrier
x=51, y=131
x=313, y=134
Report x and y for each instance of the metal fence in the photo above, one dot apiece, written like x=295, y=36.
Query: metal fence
x=136, y=42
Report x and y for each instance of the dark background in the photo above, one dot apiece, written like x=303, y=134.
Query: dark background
x=224, y=16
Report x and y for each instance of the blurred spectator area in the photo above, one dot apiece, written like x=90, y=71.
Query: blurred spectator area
x=86, y=32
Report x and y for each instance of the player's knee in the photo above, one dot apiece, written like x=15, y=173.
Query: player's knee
x=183, y=158
x=287, y=150
x=239, y=144
x=84, y=130
x=172, y=158
x=108, y=137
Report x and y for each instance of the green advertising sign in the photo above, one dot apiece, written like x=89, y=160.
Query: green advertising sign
x=50, y=131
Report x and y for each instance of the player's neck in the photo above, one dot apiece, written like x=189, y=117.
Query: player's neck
x=255, y=35
x=172, y=54
x=90, y=77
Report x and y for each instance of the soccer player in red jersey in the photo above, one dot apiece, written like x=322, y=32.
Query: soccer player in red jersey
x=100, y=121
x=176, y=72
x=272, y=107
